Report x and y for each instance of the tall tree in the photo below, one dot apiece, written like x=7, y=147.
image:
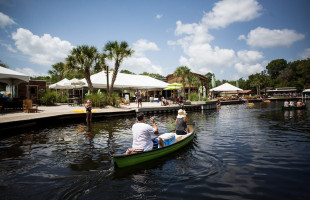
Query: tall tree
x=117, y=52
x=2, y=64
x=193, y=80
x=153, y=75
x=84, y=59
x=57, y=72
x=102, y=65
x=275, y=66
x=182, y=72
x=125, y=71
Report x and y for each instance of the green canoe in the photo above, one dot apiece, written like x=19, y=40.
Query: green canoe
x=123, y=160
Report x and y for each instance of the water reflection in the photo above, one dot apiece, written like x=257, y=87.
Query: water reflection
x=89, y=135
x=242, y=153
x=295, y=114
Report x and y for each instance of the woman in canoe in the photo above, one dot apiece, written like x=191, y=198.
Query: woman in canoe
x=181, y=126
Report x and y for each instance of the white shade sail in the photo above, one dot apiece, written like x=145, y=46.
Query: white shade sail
x=226, y=87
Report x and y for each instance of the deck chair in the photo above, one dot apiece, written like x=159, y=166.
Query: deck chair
x=27, y=104
x=125, y=101
x=34, y=108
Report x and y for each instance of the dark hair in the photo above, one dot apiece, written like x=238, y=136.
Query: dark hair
x=140, y=116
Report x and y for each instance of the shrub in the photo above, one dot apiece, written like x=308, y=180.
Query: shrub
x=193, y=97
x=204, y=99
x=97, y=99
x=100, y=99
x=62, y=98
x=48, y=98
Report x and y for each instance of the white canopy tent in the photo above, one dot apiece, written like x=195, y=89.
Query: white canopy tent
x=12, y=78
x=7, y=75
x=226, y=87
x=127, y=81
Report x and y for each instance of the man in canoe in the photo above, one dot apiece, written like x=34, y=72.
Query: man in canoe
x=142, y=134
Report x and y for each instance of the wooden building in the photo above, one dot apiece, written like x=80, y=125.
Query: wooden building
x=204, y=82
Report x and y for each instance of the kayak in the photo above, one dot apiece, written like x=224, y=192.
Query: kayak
x=124, y=160
x=294, y=108
x=83, y=111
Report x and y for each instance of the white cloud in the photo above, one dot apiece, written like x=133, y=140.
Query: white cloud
x=10, y=48
x=5, y=20
x=203, y=55
x=159, y=16
x=247, y=69
x=195, y=39
x=246, y=56
x=141, y=64
x=229, y=11
x=143, y=45
x=45, y=50
x=305, y=54
x=266, y=38
x=29, y=72
x=242, y=37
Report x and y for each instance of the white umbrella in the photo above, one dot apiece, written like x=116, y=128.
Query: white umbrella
x=76, y=83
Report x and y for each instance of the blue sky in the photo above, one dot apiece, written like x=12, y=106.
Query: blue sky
x=231, y=38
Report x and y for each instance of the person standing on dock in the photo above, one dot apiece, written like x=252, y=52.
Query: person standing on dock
x=88, y=107
x=139, y=97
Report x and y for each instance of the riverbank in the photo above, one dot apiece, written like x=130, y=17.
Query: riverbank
x=16, y=119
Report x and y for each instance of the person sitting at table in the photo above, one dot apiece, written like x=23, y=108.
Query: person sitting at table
x=164, y=101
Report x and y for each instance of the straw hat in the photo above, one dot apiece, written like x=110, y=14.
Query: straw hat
x=181, y=113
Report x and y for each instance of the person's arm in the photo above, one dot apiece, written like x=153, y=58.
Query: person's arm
x=154, y=126
x=186, y=120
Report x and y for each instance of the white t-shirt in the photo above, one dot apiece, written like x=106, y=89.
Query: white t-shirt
x=142, y=136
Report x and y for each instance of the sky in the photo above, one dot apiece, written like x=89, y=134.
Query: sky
x=230, y=38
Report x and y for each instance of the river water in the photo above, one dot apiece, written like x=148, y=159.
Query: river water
x=240, y=152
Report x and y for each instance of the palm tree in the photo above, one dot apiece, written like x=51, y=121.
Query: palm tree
x=117, y=52
x=193, y=80
x=84, y=59
x=182, y=72
x=58, y=72
x=190, y=79
x=255, y=81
